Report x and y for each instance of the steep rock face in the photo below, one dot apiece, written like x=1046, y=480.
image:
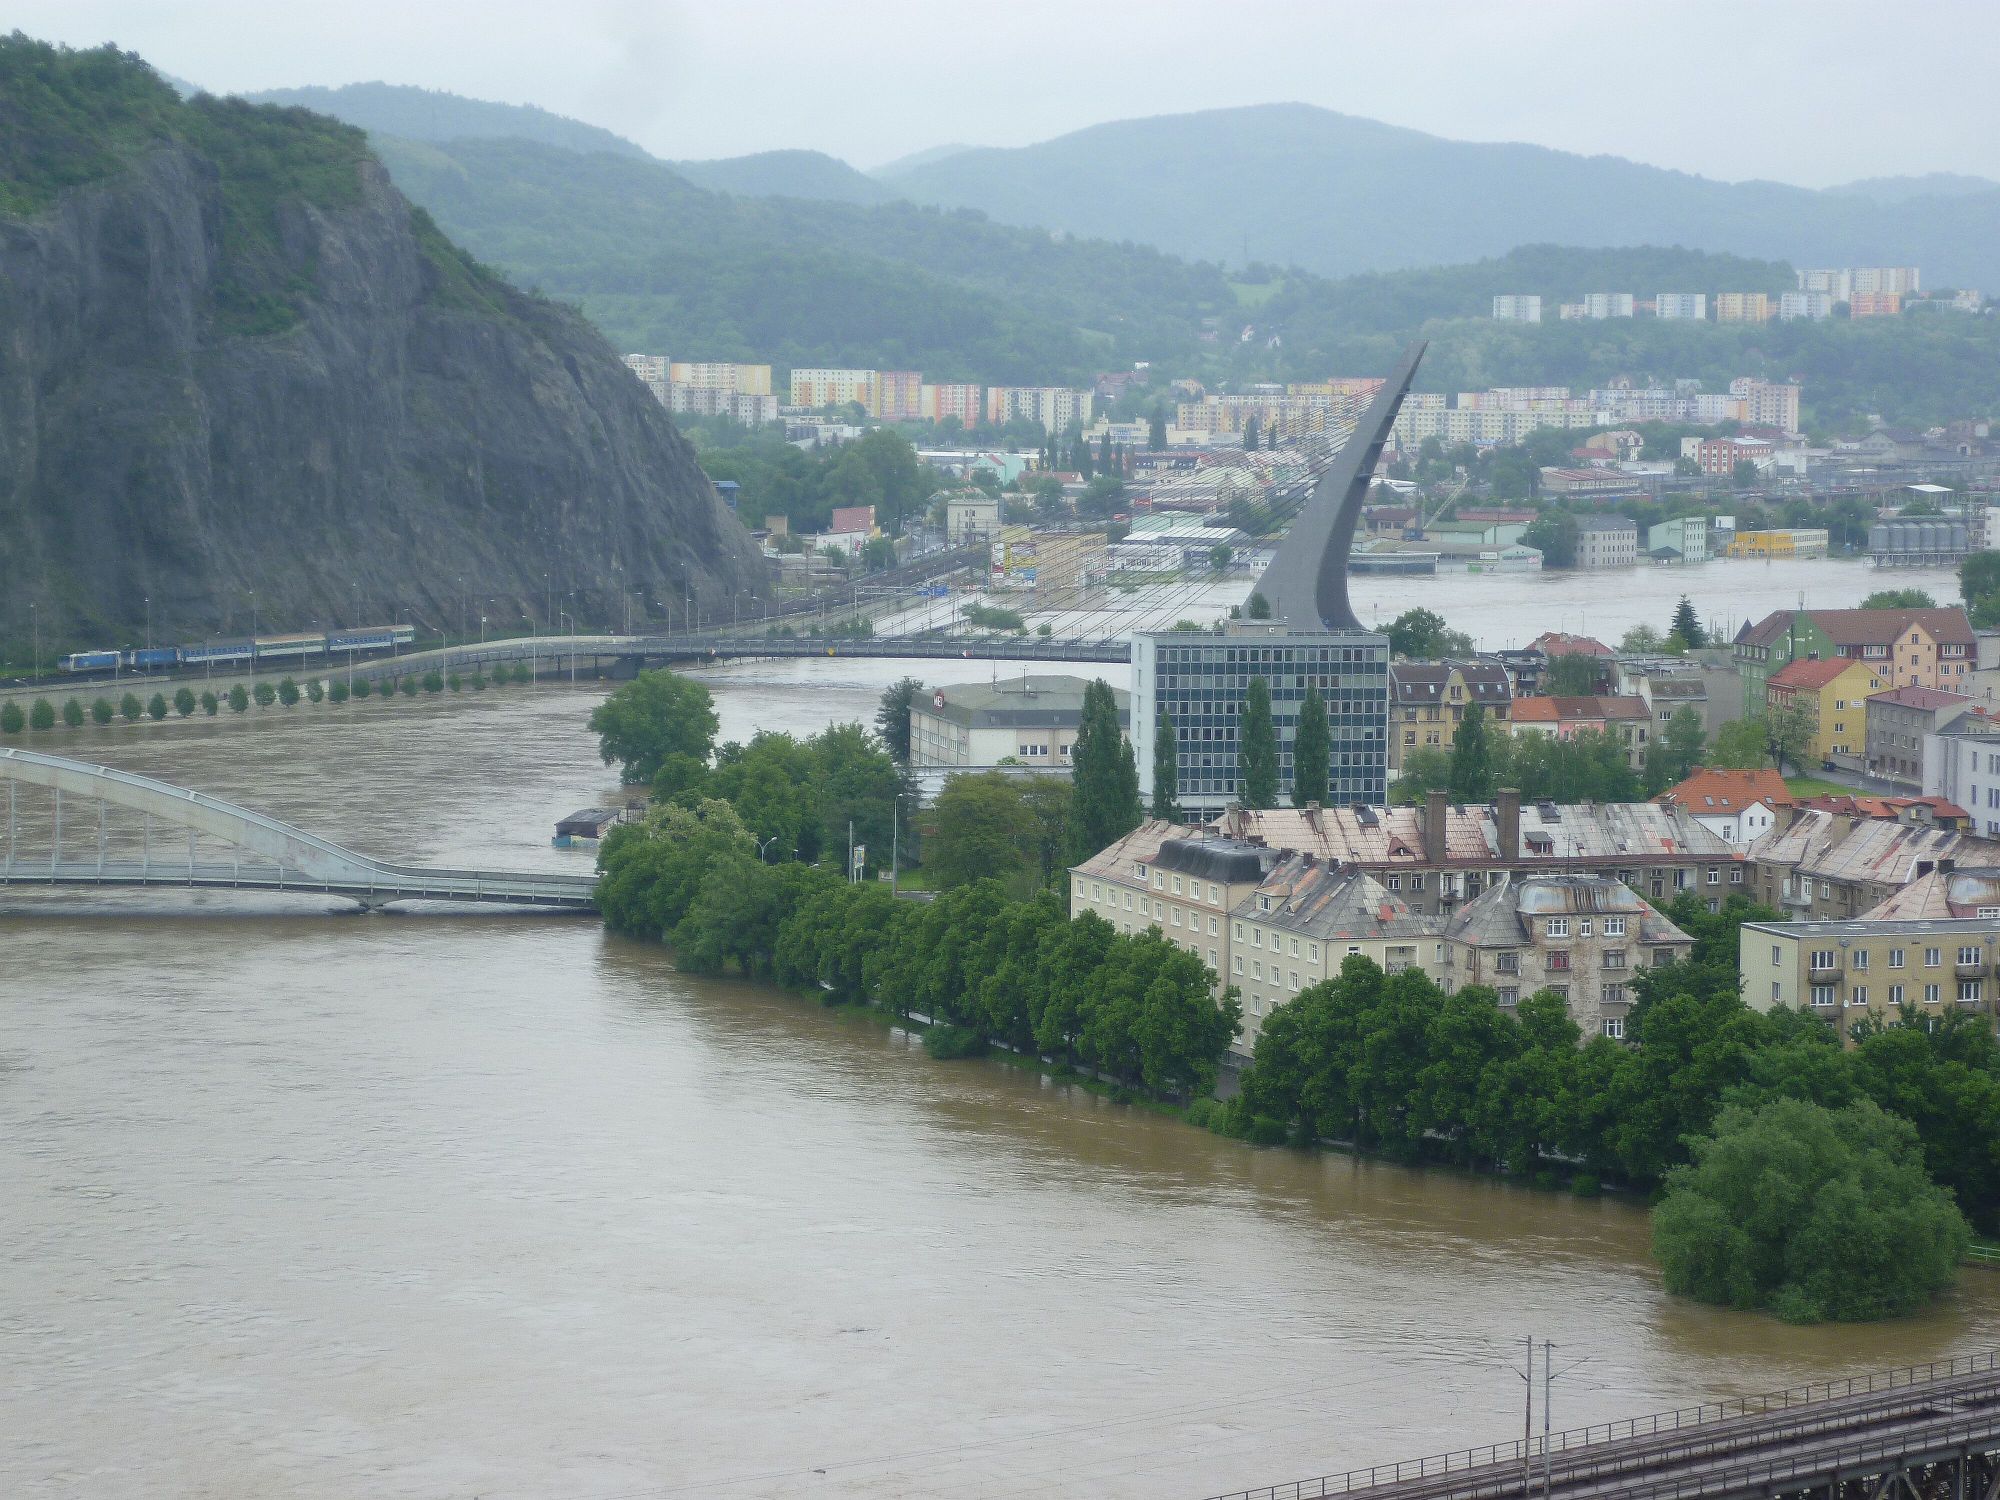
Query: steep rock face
x=414, y=436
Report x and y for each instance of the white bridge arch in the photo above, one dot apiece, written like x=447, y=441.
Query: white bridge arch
x=265, y=854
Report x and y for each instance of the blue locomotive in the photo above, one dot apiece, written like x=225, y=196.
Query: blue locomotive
x=248, y=651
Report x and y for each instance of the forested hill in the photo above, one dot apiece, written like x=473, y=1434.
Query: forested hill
x=787, y=174
x=663, y=265
x=666, y=267
x=239, y=362
x=1292, y=184
x=434, y=115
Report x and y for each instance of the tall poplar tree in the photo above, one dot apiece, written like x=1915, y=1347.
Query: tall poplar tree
x=1166, y=769
x=1312, y=752
x=1156, y=434
x=1471, y=757
x=1257, y=749
x=1105, y=804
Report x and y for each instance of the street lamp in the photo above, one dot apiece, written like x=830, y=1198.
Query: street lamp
x=572, y=646
x=763, y=844
x=35, y=614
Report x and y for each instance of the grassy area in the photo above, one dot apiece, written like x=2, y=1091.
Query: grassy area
x=1813, y=786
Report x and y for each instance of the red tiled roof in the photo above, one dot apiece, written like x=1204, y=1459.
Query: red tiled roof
x=851, y=518
x=1811, y=674
x=1874, y=627
x=1556, y=643
x=1542, y=710
x=1728, y=791
x=1918, y=697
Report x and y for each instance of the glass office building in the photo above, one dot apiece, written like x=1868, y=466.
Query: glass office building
x=1200, y=681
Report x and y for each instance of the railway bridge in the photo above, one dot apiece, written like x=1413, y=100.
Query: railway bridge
x=1926, y=1432
x=190, y=839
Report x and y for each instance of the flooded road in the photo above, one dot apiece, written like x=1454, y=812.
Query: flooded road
x=309, y=1205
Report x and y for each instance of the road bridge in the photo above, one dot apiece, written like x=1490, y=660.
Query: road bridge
x=1926, y=1432
x=179, y=837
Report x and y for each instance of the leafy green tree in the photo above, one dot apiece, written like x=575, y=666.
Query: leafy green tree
x=1899, y=598
x=265, y=694
x=407, y=686
x=1250, y=435
x=336, y=690
x=210, y=704
x=1422, y=635
x=288, y=692
x=239, y=700
x=1571, y=675
x=1426, y=769
x=771, y=782
x=1312, y=751
x=72, y=713
x=184, y=702
x=1554, y=535
x=156, y=707
x=655, y=715
x=651, y=872
x=857, y=786
x=1643, y=640
x=11, y=718
x=102, y=711
x=433, y=681
x=1166, y=769
x=363, y=687
x=1686, y=628
x=1156, y=432
x=1979, y=585
x=892, y=718
x=314, y=691
x=1472, y=757
x=1258, y=607
x=1257, y=749
x=42, y=715
x=1105, y=800
x=130, y=708
x=979, y=829
x=1742, y=745
x=1744, y=473
x=1788, y=724
x=1813, y=1214
x=1675, y=752
x=1514, y=475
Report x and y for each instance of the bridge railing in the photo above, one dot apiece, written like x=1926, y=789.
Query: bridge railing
x=1464, y=1460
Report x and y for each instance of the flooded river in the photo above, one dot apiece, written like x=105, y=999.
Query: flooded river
x=294, y=1204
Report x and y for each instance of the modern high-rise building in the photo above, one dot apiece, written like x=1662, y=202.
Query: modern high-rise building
x=654, y=370
x=1607, y=305
x=721, y=375
x=1902, y=281
x=1768, y=403
x=1692, y=306
x=1813, y=305
x=1874, y=304
x=1199, y=682
x=1742, y=307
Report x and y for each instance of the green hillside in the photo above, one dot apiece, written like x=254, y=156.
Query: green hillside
x=786, y=174
x=1296, y=185
x=434, y=115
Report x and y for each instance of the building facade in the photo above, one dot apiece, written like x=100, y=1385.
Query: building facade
x=1032, y=720
x=1898, y=722
x=1518, y=308
x=1738, y=807
x=1834, y=694
x=1606, y=542
x=1200, y=681
x=1868, y=969
x=1962, y=764
x=1683, y=305
x=1428, y=701
x=967, y=403
x=816, y=388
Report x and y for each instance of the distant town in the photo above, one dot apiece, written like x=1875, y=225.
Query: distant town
x=1850, y=291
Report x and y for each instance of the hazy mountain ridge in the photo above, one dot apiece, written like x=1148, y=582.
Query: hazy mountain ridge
x=1295, y=184
x=421, y=114
x=787, y=174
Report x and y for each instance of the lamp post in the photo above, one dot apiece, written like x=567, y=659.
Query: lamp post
x=763, y=844
x=35, y=666
x=149, y=622
x=572, y=646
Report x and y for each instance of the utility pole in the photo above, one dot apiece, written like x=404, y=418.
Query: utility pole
x=1527, y=1375
x=850, y=851
x=895, y=840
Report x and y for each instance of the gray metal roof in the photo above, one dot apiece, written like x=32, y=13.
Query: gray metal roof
x=1049, y=701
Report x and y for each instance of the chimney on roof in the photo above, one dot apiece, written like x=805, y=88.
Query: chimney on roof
x=1946, y=866
x=1508, y=812
x=1437, y=808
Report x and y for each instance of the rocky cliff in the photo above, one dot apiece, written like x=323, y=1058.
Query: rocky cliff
x=238, y=370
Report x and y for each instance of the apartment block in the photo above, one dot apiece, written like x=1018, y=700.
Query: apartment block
x=965, y=402
x=1961, y=762
x=816, y=388
x=1608, y=305
x=654, y=370
x=1834, y=693
x=1875, y=305
x=1813, y=305
x=744, y=380
x=1606, y=542
x=1743, y=307
x=1768, y=403
x=898, y=396
x=1832, y=866
x=1428, y=701
x=1899, y=721
x=1899, y=281
x=1684, y=305
x=1869, y=968
x=1054, y=407
x=1517, y=309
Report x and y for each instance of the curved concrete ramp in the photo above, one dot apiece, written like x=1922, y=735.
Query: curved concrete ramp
x=264, y=853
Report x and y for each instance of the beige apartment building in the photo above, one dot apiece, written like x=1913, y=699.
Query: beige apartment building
x=1160, y=876
x=1868, y=969
x=817, y=388
x=1830, y=866
x=720, y=375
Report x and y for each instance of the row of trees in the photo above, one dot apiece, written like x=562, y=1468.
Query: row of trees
x=1136, y=1010
x=1393, y=1063
x=1589, y=766
x=43, y=714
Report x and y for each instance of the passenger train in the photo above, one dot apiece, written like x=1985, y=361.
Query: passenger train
x=249, y=651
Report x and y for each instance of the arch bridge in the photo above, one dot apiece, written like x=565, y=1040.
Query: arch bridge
x=180, y=831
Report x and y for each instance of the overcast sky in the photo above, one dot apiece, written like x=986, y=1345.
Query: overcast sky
x=1807, y=91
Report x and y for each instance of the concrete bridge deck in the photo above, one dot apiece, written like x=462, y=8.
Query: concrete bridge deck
x=264, y=853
